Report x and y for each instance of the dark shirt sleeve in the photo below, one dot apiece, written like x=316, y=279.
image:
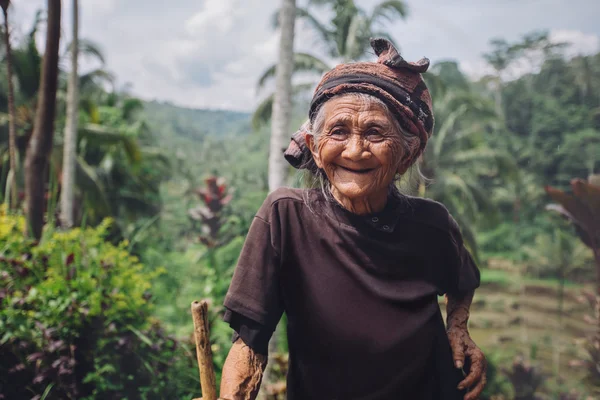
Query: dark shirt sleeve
x=465, y=276
x=253, y=334
x=253, y=299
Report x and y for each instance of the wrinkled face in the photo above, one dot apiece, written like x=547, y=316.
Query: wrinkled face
x=359, y=149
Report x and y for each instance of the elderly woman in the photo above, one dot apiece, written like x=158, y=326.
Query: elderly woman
x=355, y=265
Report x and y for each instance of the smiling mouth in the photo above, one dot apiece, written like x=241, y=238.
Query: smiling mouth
x=357, y=171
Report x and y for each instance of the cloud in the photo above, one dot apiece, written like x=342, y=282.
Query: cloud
x=577, y=43
x=216, y=16
x=580, y=43
x=210, y=53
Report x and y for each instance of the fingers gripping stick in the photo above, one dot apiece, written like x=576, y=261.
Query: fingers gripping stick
x=203, y=350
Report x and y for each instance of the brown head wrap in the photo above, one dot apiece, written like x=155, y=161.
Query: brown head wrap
x=393, y=80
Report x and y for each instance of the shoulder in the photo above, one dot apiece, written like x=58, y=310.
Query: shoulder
x=279, y=200
x=285, y=194
x=429, y=213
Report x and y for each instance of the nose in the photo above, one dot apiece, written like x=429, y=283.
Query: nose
x=355, y=149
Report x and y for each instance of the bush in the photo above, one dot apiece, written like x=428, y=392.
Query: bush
x=75, y=320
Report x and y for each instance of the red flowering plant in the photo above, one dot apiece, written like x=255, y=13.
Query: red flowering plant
x=215, y=196
x=581, y=206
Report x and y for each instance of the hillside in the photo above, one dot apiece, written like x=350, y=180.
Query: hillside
x=175, y=125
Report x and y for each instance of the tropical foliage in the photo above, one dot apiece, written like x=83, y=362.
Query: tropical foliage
x=76, y=320
x=164, y=197
x=345, y=37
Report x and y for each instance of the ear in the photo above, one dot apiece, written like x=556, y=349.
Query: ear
x=405, y=164
x=310, y=143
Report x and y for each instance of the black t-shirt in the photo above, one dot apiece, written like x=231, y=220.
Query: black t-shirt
x=360, y=294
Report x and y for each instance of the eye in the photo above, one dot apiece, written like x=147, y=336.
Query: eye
x=338, y=133
x=374, y=135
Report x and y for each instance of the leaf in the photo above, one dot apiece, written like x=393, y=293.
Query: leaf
x=87, y=48
x=263, y=112
x=35, y=356
x=303, y=62
x=99, y=135
x=325, y=34
x=47, y=391
x=140, y=335
x=96, y=76
x=389, y=10
x=87, y=180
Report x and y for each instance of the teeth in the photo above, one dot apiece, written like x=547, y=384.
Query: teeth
x=361, y=171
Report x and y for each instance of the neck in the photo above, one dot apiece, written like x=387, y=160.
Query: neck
x=363, y=205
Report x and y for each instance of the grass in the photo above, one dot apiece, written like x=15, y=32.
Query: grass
x=512, y=315
x=506, y=279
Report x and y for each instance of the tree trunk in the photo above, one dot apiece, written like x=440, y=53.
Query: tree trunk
x=280, y=125
x=282, y=104
x=40, y=144
x=12, y=132
x=70, y=144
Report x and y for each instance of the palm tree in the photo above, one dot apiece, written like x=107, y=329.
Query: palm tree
x=12, y=133
x=40, y=145
x=26, y=62
x=345, y=37
x=282, y=114
x=70, y=141
x=116, y=171
x=457, y=159
x=500, y=59
x=282, y=103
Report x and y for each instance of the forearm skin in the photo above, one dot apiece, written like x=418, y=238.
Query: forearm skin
x=458, y=310
x=242, y=373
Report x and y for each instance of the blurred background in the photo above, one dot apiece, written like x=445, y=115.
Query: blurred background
x=140, y=151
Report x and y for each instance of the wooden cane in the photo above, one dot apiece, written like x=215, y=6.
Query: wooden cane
x=203, y=351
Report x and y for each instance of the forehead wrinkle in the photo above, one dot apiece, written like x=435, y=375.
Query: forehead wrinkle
x=364, y=119
x=341, y=117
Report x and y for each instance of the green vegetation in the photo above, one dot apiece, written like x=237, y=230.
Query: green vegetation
x=76, y=320
x=165, y=196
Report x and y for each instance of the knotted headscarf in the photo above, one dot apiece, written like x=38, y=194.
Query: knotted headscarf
x=393, y=80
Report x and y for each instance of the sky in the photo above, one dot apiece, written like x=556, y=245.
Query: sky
x=210, y=53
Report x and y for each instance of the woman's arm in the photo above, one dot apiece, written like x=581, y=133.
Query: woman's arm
x=242, y=373
x=457, y=309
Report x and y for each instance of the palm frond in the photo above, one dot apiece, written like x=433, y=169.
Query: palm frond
x=322, y=31
x=95, y=76
x=389, y=10
x=357, y=38
x=266, y=76
x=303, y=62
x=262, y=114
x=100, y=135
x=445, y=129
x=87, y=48
x=436, y=85
x=483, y=155
x=302, y=13
x=455, y=190
x=156, y=156
x=468, y=234
x=130, y=106
x=89, y=184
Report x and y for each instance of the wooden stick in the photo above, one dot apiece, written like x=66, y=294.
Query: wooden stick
x=203, y=351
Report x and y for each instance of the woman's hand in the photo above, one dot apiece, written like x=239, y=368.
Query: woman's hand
x=463, y=347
